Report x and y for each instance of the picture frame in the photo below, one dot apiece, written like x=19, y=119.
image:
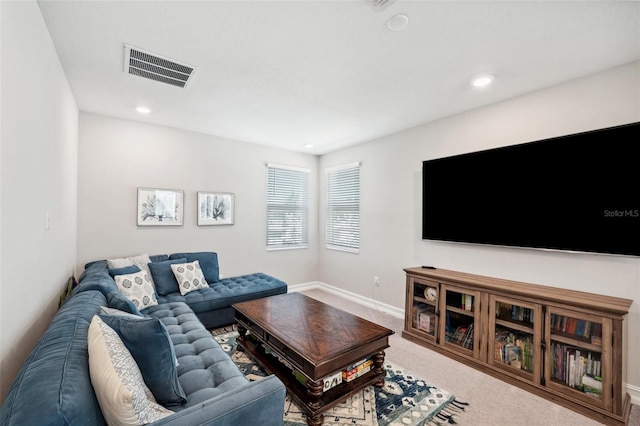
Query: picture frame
x=216, y=208
x=160, y=207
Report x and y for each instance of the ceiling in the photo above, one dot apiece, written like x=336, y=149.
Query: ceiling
x=330, y=73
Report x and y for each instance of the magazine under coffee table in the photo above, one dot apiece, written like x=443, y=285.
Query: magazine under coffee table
x=291, y=333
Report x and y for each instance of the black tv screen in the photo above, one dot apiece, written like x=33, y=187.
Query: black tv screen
x=579, y=192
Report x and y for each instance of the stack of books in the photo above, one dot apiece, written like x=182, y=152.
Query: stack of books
x=356, y=370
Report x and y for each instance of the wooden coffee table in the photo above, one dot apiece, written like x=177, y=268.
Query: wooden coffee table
x=292, y=332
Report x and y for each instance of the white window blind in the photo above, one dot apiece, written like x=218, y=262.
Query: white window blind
x=287, y=207
x=343, y=208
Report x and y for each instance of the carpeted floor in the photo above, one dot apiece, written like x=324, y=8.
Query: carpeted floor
x=404, y=400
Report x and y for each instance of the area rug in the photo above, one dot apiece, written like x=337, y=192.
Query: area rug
x=403, y=400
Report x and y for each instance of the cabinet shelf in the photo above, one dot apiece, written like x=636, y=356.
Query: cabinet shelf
x=575, y=342
x=423, y=300
x=460, y=311
x=563, y=345
x=524, y=327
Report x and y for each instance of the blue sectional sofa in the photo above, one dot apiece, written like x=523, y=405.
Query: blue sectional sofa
x=54, y=385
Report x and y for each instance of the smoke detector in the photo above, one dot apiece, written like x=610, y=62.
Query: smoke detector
x=155, y=67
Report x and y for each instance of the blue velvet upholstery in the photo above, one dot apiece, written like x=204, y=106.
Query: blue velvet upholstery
x=205, y=370
x=208, y=263
x=163, y=277
x=150, y=346
x=53, y=386
x=224, y=293
x=124, y=270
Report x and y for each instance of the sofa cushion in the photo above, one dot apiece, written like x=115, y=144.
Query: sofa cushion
x=96, y=277
x=228, y=291
x=138, y=288
x=208, y=262
x=148, y=341
x=163, y=277
x=53, y=384
x=121, y=391
x=141, y=261
x=204, y=368
x=189, y=277
x=125, y=270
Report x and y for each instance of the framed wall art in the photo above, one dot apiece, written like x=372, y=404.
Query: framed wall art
x=215, y=208
x=160, y=207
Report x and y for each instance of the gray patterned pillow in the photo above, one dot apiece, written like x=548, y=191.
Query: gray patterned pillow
x=189, y=276
x=123, y=396
x=142, y=261
x=138, y=288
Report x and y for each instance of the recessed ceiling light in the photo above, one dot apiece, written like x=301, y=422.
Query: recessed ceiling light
x=143, y=110
x=308, y=145
x=483, y=80
x=397, y=22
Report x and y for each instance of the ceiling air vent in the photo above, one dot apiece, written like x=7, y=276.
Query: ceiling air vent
x=155, y=67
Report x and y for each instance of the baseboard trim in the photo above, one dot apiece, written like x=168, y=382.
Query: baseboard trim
x=634, y=394
x=365, y=301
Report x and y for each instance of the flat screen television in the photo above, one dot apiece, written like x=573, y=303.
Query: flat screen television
x=577, y=193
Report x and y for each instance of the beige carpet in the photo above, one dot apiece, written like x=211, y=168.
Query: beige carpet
x=491, y=401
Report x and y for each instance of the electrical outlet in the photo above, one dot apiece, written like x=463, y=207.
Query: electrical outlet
x=376, y=280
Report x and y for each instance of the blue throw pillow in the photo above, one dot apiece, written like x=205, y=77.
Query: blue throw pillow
x=117, y=300
x=163, y=277
x=208, y=263
x=150, y=345
x=126, y=270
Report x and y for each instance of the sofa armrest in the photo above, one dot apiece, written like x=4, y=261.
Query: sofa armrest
x=258, y=403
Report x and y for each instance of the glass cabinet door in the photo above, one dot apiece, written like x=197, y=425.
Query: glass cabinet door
x=424, y=310
x=579, y=355
x=460, y=308
x=515, y=331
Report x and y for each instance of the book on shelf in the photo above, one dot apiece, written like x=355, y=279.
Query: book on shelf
x=577, y=368
x=356, y=370
x=514, y=349
x=509, y=312
x=588, y=330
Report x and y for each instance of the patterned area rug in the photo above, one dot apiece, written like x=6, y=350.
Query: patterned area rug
x=403, y=400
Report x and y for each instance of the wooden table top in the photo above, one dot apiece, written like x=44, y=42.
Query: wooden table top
x=315, y=330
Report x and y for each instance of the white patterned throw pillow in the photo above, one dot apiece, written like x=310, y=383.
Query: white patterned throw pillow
x=123, y=396
x=138, y=288
x=189, y=276
x=141, y=261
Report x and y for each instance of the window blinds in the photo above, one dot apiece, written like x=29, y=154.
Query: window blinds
x=343, y=208
x=287, y=207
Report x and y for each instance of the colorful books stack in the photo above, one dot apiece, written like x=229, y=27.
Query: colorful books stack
x=467, y=303
x=462, y=336
x=514, y=349
x=590, y=331
x=577, y=368
x=356, y=370
x=509, y=312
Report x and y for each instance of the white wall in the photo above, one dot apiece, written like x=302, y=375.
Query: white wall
x=391, y=198
x=38, y=174
x=118, y=156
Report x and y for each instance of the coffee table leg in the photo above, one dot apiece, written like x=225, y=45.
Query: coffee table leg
x=242, y=332
x=378, y=362
x=314, y=390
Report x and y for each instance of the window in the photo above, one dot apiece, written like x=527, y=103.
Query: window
x=343, y=208
x=287, y=207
